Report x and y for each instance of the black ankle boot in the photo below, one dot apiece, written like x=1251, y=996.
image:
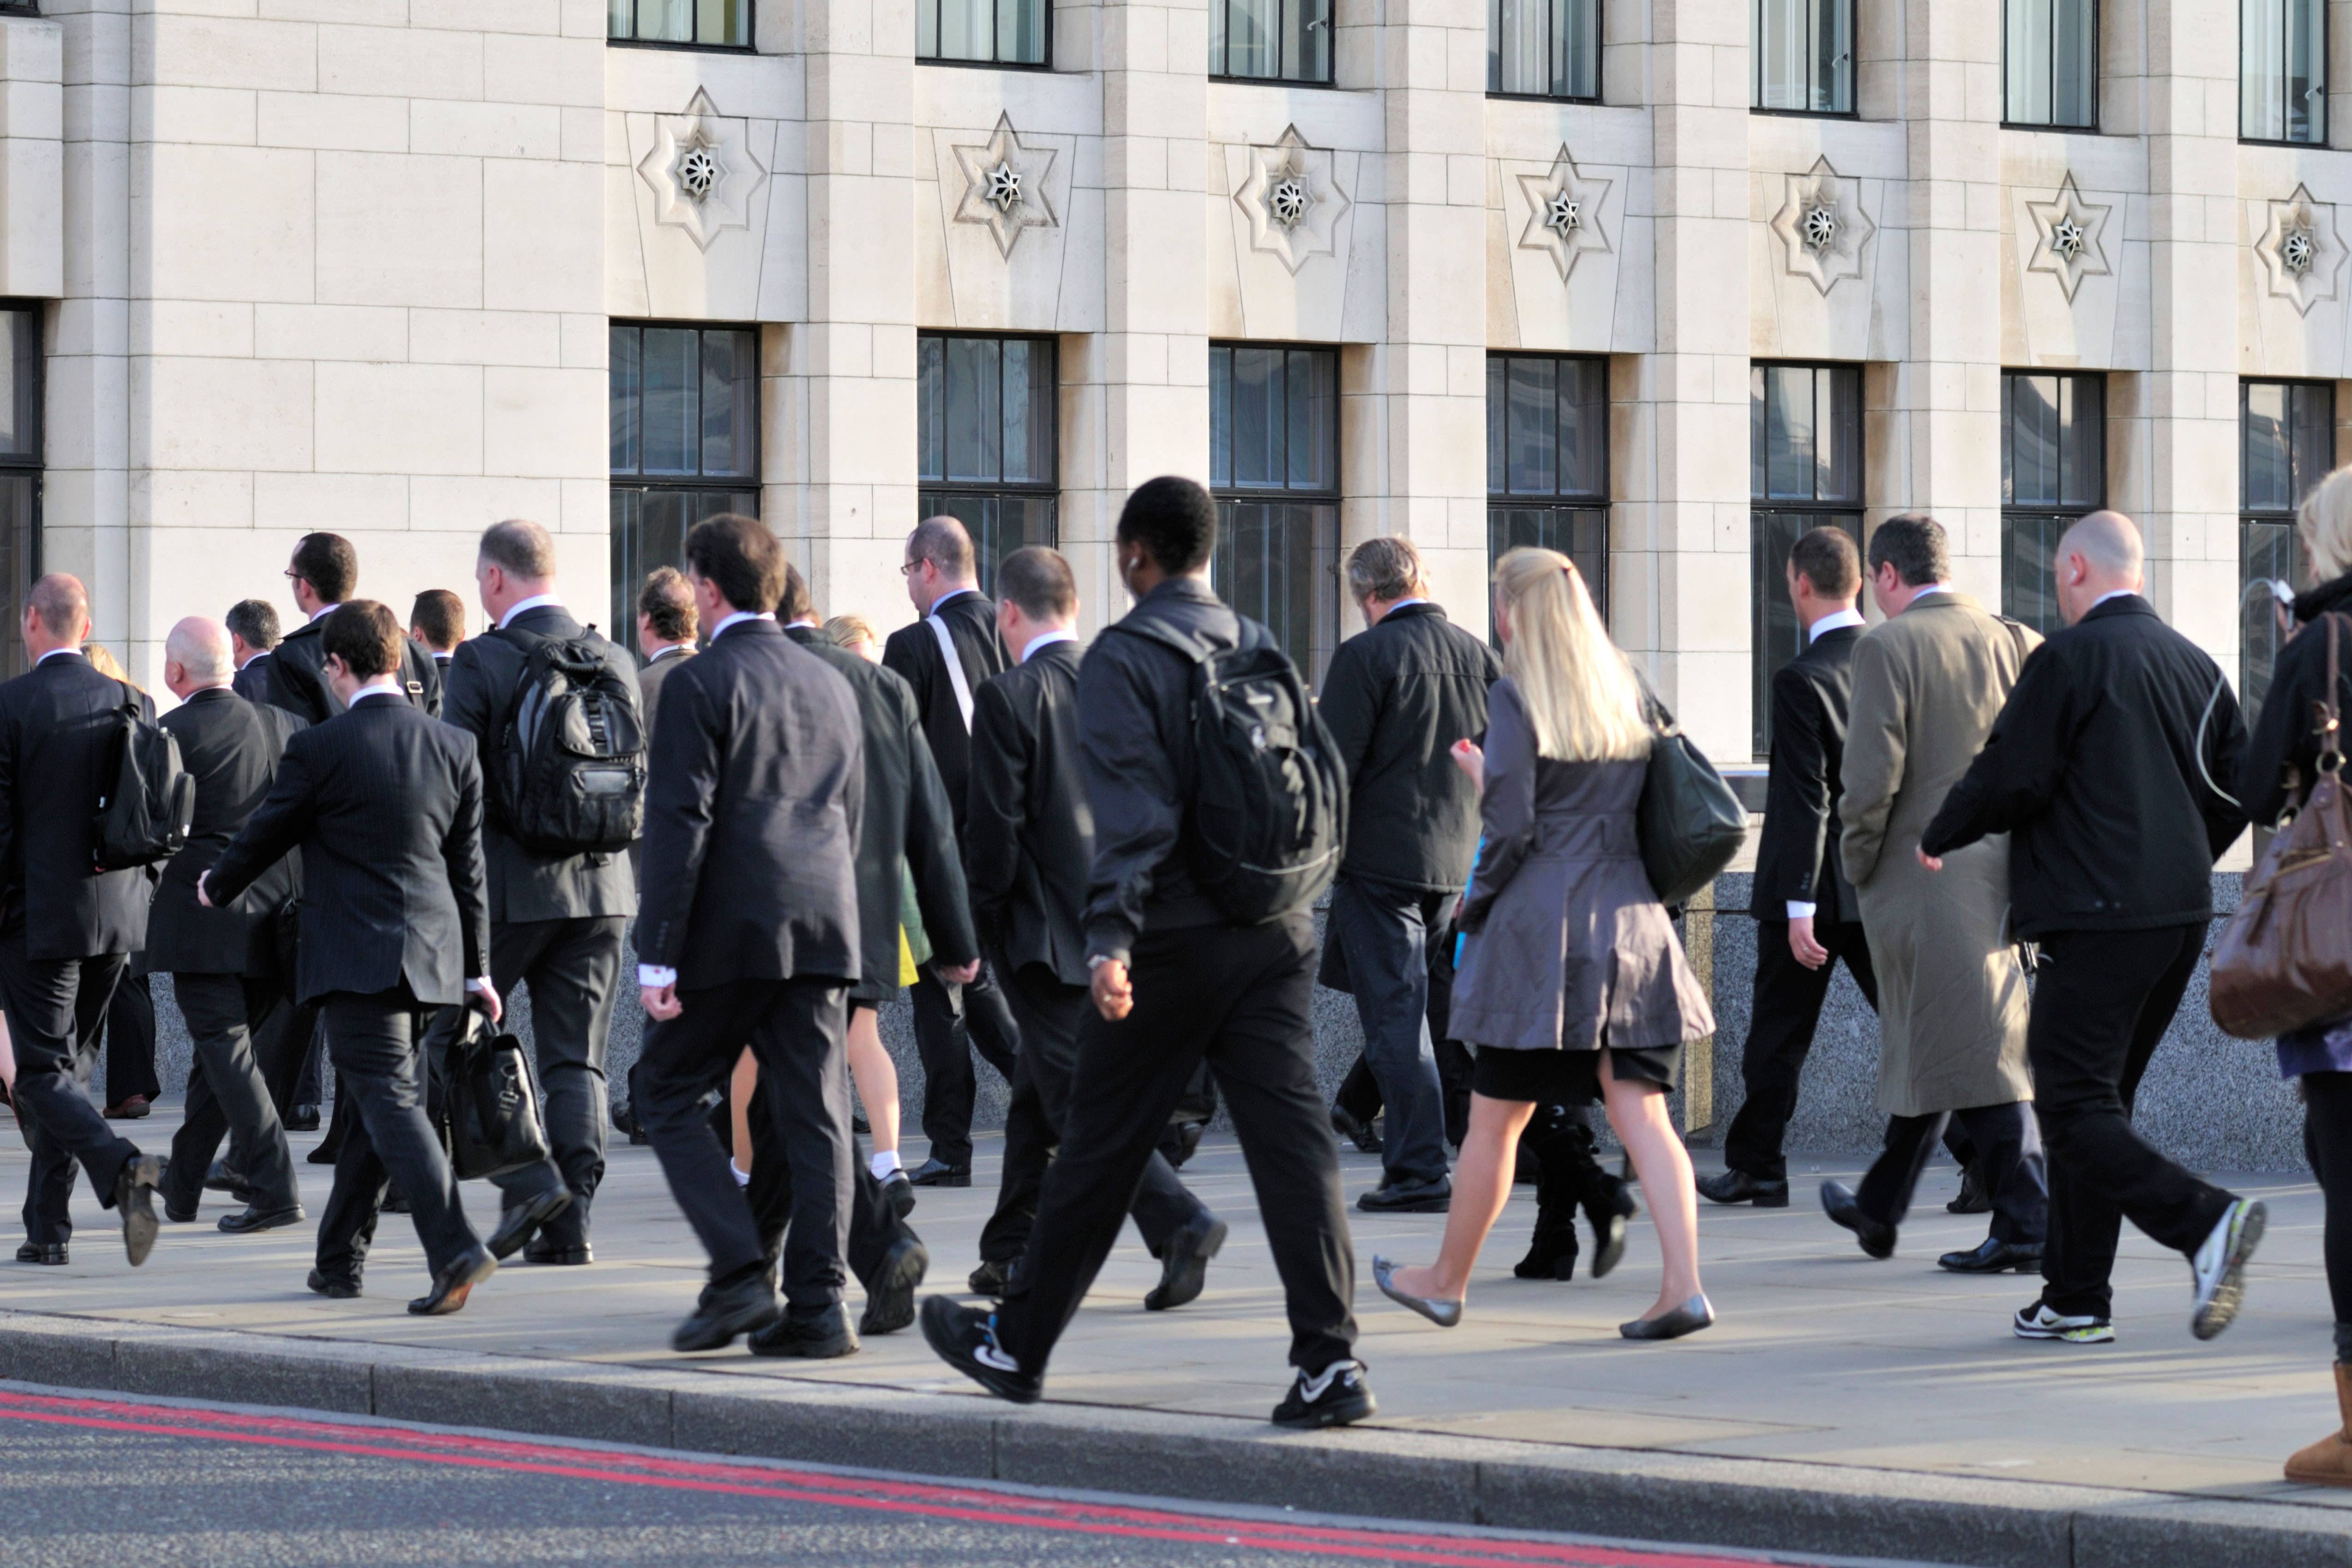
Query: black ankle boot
x=1561, y=1144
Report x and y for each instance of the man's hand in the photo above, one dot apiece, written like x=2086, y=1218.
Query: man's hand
x=1808, y=952
x=1932, y=862
x=1114, y=997
x=484, y=999
x=203, y=897
x=1471, y=761
x=958, y=973
x=661, y=1001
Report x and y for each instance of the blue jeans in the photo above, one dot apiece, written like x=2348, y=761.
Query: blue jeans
x=1385, y=932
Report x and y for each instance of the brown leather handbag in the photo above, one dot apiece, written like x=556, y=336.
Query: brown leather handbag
x=2284, y=961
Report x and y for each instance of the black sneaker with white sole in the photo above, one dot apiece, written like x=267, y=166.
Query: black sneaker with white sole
x=2039, y=1323
x=965, y=1338
x=1333, y=1397
x=2218, y=1273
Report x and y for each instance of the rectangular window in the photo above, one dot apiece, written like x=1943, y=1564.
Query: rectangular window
x=1271, y=40
x=1804, y=472
x=2286, y=432
x=2051, y=59
x=1274, y=468
x=21, y=392
x=707, y=24
x=2283, y=71
x=986, y=32
x=1544, y=48
x=686, y=445
x=985, y=420
x=1804, y=55
x=1547, y=461
x=2053, y=469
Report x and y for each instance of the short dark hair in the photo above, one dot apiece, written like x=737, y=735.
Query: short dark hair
x=1827, y=559
x=1915, y=545
x=741, y=558
x=945, y=543
x=328, y=564
x=1174, y=521
x=521, y=547
x=668, y=604
x=1040, y=581
x=363, y=634
x=439, y=617
x=794, y=603
x=255, y=621
x=61, y=603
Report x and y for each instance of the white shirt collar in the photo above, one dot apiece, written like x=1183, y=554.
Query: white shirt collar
x=1044, y=640
x=2112, y=593
x=804, y=621
x=533, y=603
x=54, y=653
x=1931, y=588
x=381, y=685
x=720, y=629
x=951, y=593
x=664, y=652
x=1832, y=622
x=1401, y=604
x=323, y=611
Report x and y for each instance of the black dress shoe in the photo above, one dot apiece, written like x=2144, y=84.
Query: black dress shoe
x=965, y=1338
x=302, y=1119
x=324, y=1154
x=570, y=1255
x=890, y=1294
x=1739, y=1187
x=518, y=1224
x=1184, y=1264
x=454, y=1284
x=1608, y=1220
x=1409, y=1197
x=396, y=1202
x=221, y=1179
x=1359, y=1133
x=990, y=1279
x=1973, y=1198
x=35, y=1252
x=1876, y=1237
x=940, y=1173
x=1990, y=1256
x=134, y=1200
x=823, y=1337
x=176, y=1213
x=334, y=1287
x=743, y=1308
x=130, y=1107
x=899, y=1194
x=249, y=1220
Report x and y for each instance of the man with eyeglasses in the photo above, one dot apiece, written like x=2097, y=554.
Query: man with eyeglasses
x=325, y=572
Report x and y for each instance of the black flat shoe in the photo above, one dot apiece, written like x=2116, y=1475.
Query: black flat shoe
x=890, y=1294
x=1184, y=1266
x=248, y=1219
x=177, y=1214
x=940, y=1173
x=518, y=1225
x=34, y=1252
x=721, y=1314
x=1409, y=1197
x=396, y=1202
x=324, y=1154
x=454, y=1284
x=823, y=1337
x=302, y=1119
x=1687, y=1319
x=1839, y=1203
x=990, y=1279
x=899, y=1192
x=543, y=1250
x=1608, y=1227
x=965, y=1338
x=332, y=1287
x=134, y=1199
x=1739, y=1187
x=1360, y=1133
x=1990, y=1256
x=221, y=1179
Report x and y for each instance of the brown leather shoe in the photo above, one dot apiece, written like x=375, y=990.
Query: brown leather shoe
x=2328, y=1462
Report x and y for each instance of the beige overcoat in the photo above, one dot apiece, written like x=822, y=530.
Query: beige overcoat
x=1951, y=994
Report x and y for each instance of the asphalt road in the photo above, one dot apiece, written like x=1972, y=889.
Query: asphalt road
x=90, y=1479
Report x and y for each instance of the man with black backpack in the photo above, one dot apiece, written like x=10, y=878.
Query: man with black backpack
x=555, y=708
x=1219, y=811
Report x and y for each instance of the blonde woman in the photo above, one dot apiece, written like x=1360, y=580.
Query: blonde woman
x=857, y=635
x=1572, y=986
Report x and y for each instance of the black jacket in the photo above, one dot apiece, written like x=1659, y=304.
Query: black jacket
x=649, y=682
x=752, y=815
x=252, y=682
x=297, y=673
x=906, y=821
x=1797, y=858
x=57, y=730
x=1396, y=698
x=2094, y=771
x=480, y=700
x=914, y=653
x=231, y=748
x=2284, y=734
x=1031, y=836
x=1136, y=733
x=386, y=807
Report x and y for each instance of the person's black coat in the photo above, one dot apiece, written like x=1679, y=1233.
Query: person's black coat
x=752, y=815
x=913, y=652
x=231, y=748
x=1797, y=854
x=252, y=682
x=480, y=698
x=297, y=673
x=1396, y=698
x=385, y=805
x=2094, y=770
x=1030, y=839
x=906, y=821
x=2285, y=735
x=57, y=723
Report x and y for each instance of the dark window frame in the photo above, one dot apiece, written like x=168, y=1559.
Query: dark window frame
x=1329, y=23
x=32, y=466
x=2276, y=522
x=2326, y=44
x=750, y=45
x=1771, y=516
x=1045, y=63
x=1592, y=501
x=1756, y=104
x=2052, y=516
x=937, y=495
x=2098, y=77
x=1229, y=495
x=1494, y=57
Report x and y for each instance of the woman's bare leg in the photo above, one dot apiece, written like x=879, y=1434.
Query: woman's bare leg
x=1638, y=1113
x=739, y=1104
x=877, y=1078
x=1482, y=1185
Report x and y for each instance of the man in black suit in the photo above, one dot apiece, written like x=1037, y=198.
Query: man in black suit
x=558, y=921
x=438, y=620
x=385, y=805
x=66, y=931
x=666, y=632
x=1807, y=917
x=943, y=583
x=748, y=934
x=252, y=633
x=222, y=961
x=325, y=571
x=1029, y=851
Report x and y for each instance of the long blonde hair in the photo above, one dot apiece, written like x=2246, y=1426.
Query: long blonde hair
x=1579, y=694
x=2324, y=523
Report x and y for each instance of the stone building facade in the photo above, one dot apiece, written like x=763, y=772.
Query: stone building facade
x=1664, y=282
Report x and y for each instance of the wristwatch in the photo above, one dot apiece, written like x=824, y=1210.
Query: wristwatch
x=1095, y=961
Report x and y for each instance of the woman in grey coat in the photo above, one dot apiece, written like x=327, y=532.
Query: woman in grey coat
x=1571, y=985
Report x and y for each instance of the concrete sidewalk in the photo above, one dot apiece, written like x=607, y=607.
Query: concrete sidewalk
x=1836, y=1399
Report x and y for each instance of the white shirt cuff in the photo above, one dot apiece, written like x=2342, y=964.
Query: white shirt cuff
x=655, y=975
x=1799, y=911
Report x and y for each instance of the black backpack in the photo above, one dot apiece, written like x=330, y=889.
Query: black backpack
x=570, y=771
x=1268, y=809
x=146, y=799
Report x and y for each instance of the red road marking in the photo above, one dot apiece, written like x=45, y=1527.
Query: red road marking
x=968, y=1504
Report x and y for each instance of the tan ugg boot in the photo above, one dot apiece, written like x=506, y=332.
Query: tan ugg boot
x=2328, y=1462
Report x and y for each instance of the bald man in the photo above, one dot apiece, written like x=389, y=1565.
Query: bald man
x=2102, y=769
x=222, y=961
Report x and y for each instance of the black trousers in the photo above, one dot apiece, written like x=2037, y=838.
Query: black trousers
x=2102, y=1000
x=1359, y=1092
x=2328, y=1145
x=795, y=1030
x=1240, y=996
x=56, y=1009
x=130, y=1041
x=376, y=1043
x=1787, y=1008
x=946, y=1017
x=1394, y=941
x=1050, y=1015
x=874, y=1227
x=308, y=1083
x=233, y=1024
x=2008, y=1157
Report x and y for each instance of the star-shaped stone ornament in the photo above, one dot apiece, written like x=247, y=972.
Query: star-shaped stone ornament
x=1823, y=227
x=2068, y=238
x=701, y=172
x=1004, y=186
x=1291, y=195
x=2302, y=251
x=1563, y=212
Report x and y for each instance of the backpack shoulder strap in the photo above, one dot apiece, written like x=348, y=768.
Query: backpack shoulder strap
x=954, y=661
x=1151, y=628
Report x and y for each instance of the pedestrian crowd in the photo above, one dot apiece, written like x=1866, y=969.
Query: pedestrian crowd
x=1096, y=868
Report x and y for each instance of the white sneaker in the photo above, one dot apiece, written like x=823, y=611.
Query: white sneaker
x=2218, y=1273
x=2039, y=1323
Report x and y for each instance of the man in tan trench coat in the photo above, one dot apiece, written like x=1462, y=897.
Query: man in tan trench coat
x=1951, y=993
